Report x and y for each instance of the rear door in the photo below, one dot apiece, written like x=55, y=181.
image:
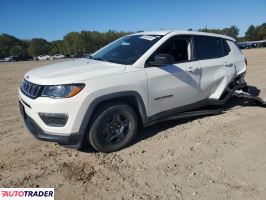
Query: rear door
x=218, y=69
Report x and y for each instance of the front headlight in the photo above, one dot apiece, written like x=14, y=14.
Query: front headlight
x=62, y=91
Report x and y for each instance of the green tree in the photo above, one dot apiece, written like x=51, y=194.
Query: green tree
x=251, y=33
x=75, y=43
x=8, y=42
x=217, y=31
x=56, y=47
x=233, y=31
x=38, y=46
x=71, y=43
x=262, y=32
x=17, y=50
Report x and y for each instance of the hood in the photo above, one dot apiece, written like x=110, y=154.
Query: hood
x=72, y=71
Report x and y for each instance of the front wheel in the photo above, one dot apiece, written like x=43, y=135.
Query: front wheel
x=114, y=126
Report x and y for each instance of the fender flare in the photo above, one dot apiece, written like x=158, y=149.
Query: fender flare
x=88, y=115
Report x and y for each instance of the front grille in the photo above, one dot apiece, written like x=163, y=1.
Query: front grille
x=30, y=89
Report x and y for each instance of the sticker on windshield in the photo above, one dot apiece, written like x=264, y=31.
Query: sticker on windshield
x=125, y=43
x=147, y=37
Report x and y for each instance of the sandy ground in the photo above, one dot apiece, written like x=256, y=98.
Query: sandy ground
x=216, y=157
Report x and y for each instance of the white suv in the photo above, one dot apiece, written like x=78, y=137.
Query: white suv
x=135, y=81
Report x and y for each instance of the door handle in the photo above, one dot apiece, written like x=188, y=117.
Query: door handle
x=228, y=64
x=191, y=69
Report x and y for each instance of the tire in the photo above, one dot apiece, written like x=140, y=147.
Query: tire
x=113, y=127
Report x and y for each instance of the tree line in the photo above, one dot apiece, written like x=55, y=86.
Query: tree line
x=84, y=42
x=73, y=43
x=253, y=33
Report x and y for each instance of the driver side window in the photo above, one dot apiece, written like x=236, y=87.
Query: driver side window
x=179, y=48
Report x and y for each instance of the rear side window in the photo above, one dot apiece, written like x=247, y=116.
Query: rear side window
x=226, y=47
x=208, y=47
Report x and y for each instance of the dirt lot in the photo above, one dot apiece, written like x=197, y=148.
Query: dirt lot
x=216, y=157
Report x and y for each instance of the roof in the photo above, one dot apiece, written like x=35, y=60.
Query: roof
x=180, y=32
x=160, y=32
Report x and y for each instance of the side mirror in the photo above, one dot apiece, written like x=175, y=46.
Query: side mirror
x=162, y=59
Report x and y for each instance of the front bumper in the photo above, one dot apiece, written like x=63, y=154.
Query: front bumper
x=36, y=131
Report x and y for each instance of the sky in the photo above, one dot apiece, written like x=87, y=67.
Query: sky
x=52, y=19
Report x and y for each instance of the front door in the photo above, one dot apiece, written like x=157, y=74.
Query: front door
x=174, y=85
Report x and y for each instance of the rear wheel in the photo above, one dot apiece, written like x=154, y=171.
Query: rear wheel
x=114, y=126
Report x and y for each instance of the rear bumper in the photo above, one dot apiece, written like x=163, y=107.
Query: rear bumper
x=73, y=140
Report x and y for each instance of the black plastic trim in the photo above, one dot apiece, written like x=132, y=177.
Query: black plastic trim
x=25, y=103
x=193, y=113
x=54, y=119
x=38, y=133
x=163, y=97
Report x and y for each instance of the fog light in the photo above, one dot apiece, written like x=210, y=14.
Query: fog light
x=54, y=119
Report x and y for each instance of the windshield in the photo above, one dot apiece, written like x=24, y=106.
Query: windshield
x=126, y=50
